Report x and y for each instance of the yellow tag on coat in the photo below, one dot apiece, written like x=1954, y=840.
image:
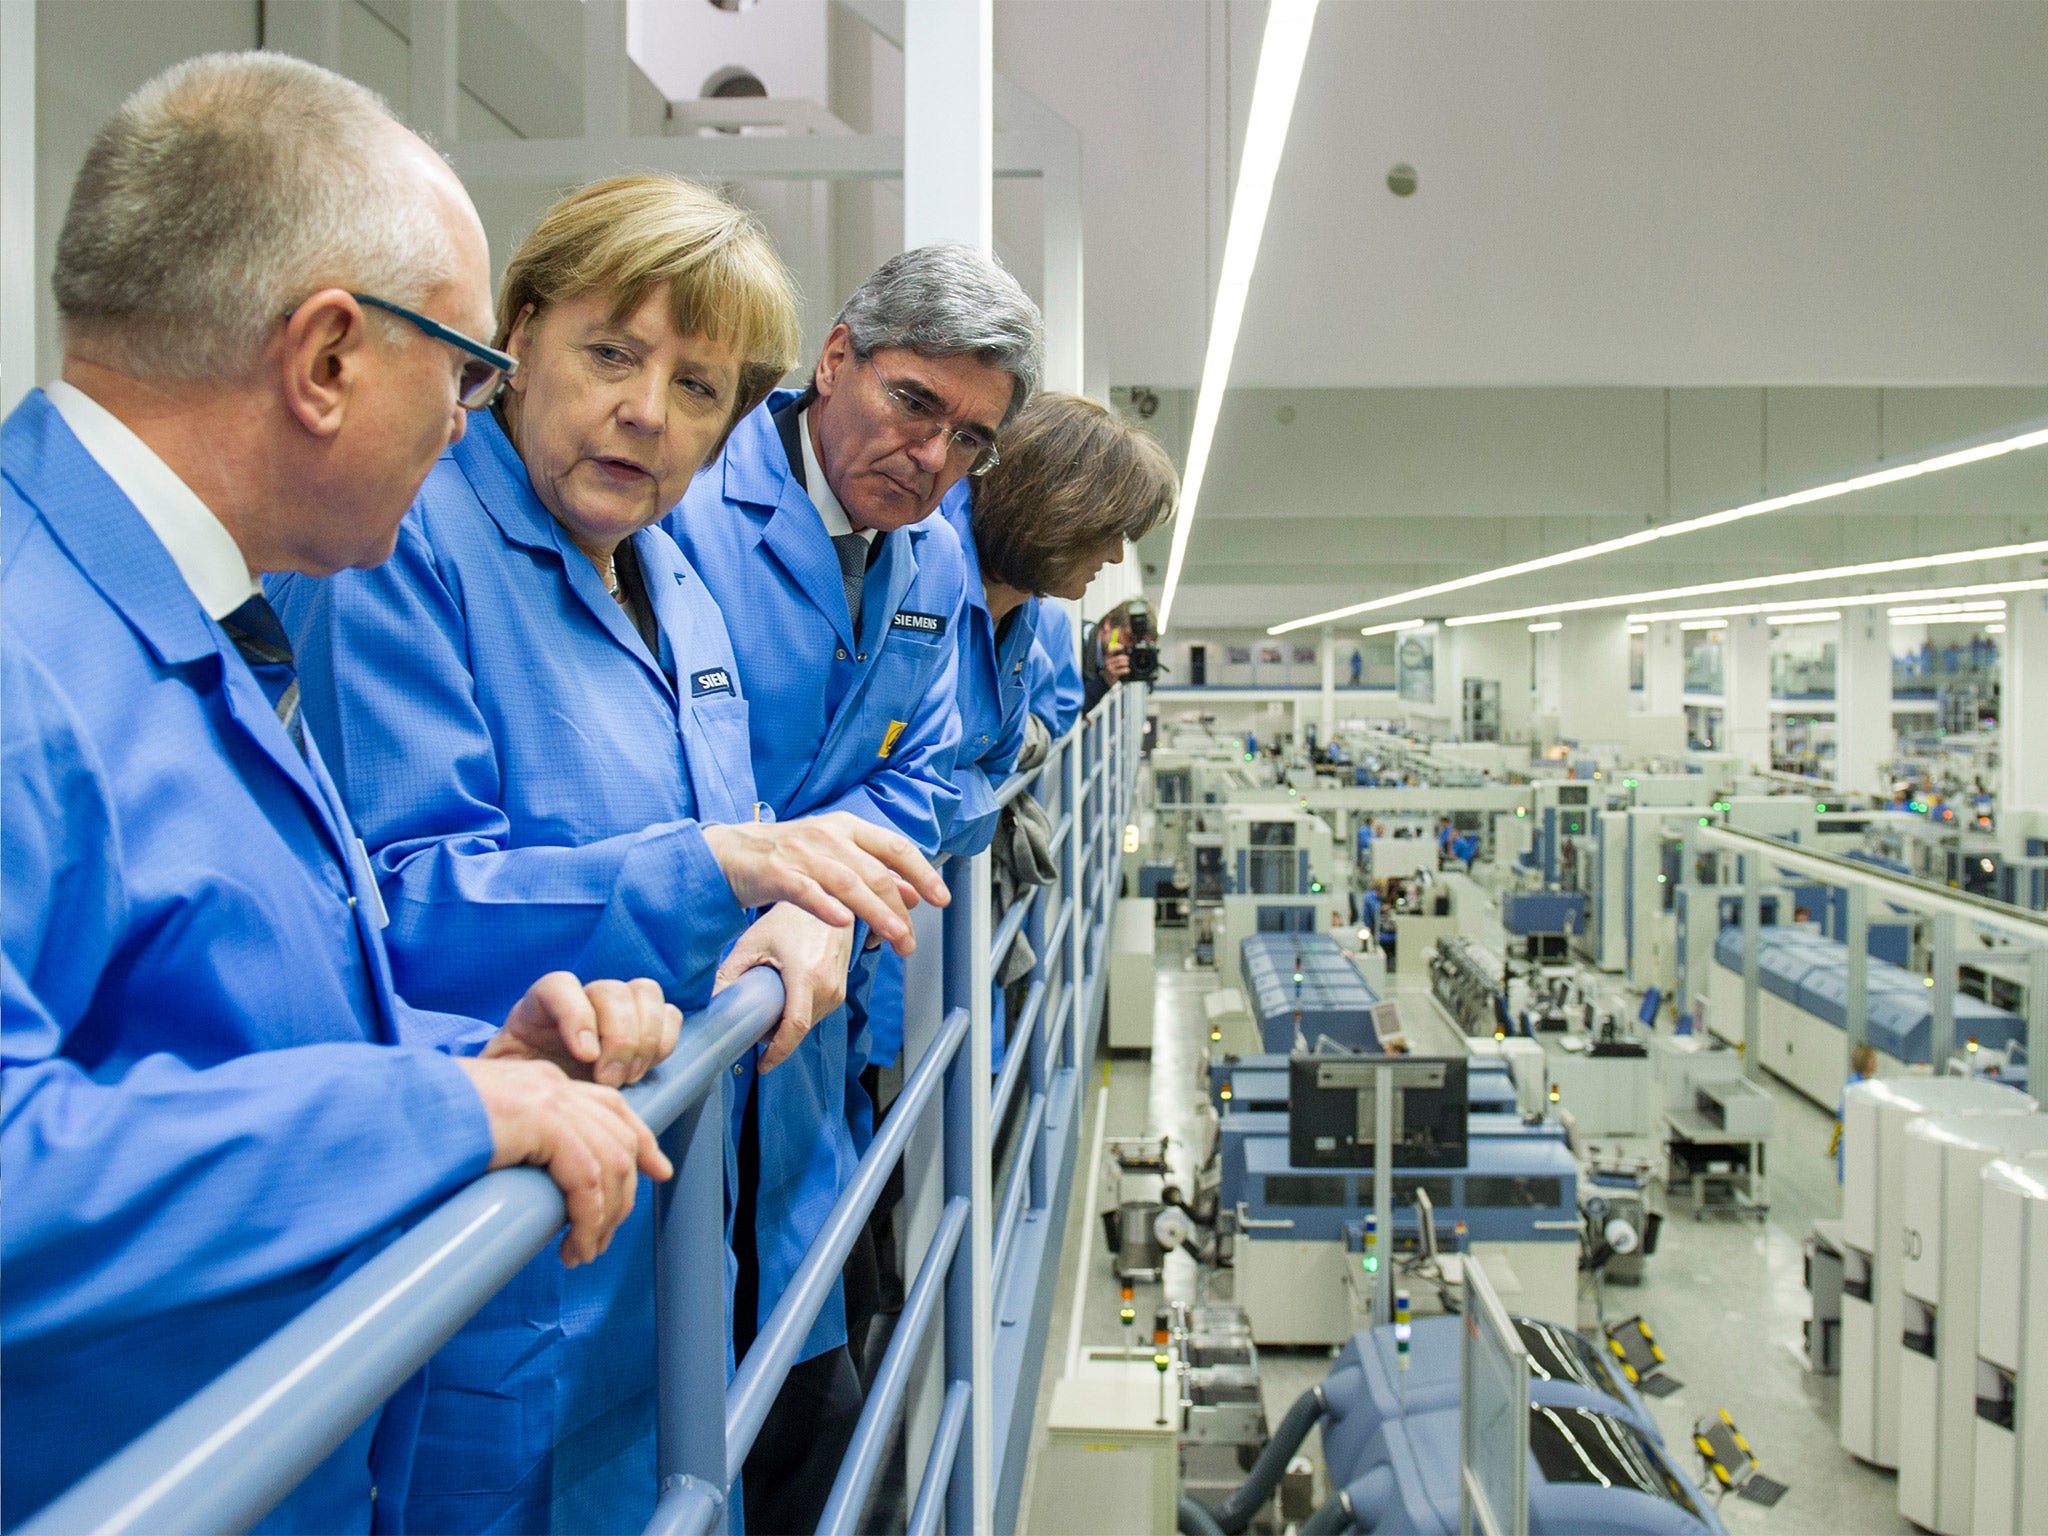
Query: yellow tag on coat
x=889, y=737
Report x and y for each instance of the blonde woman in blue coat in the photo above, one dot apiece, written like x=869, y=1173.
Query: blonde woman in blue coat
x=536, y=720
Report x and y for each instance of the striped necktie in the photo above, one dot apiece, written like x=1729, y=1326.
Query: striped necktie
x=262, y=641
x=853, y=571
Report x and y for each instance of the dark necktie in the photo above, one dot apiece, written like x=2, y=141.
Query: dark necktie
x=262, y=641
x=853, y=570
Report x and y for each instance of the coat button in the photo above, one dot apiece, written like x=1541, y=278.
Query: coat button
x=840, y=653
x=863, y=656
x=738, y=1067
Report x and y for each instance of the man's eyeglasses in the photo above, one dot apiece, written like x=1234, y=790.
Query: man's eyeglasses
x=918, y=417
x=484, y=369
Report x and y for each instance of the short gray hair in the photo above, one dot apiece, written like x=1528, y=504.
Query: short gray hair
x=223, y=192
x=951, y=301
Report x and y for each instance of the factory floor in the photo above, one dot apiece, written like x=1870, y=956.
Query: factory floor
x=1724, y=1295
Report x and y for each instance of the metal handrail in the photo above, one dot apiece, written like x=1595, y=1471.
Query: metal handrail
x=227, y=1455
x=223, y=1458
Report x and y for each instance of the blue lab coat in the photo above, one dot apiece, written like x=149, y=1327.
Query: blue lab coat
x=207, y=1118
x=839, y=722
x=1055, y=670
x=994, y=691
x=530, y=784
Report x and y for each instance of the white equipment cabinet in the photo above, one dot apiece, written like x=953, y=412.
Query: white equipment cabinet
x=1873, y=1219
x=1111, y=1462
x=1130, y=975
x=2011, y=1493
x=1945, y=1158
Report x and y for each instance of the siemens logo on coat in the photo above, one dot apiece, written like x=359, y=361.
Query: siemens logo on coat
x=922, y=623
x=717, y=680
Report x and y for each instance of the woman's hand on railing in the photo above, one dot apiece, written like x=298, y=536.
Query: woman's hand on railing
x=813, y=958
x=836, y=867
x=591, y=1144
x=611, y=1032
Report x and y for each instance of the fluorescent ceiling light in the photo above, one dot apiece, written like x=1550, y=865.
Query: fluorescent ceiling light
x=1704, y=624
x=1994, y=629
x=1930, y=609
x=1546, y=628
x=1281, y=56
x=1944, y=618
x=1755, y=583
x=1802, y=618
x=1639, y=629
x=1393, y=628
x=1783, y=605
x=1975, y=453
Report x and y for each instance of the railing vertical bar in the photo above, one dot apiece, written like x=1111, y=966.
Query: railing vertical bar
x=689, y=1287
x=970, y=1300
x=941, y=1472
x=1009, y=1208
x=1070, y=893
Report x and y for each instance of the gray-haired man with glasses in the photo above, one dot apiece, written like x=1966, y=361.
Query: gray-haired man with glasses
x=843, y=595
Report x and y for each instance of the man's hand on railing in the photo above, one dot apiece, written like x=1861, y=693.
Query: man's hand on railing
x=813, y=958
x=836, y=867
x=610, y=1032
x=591, y=1144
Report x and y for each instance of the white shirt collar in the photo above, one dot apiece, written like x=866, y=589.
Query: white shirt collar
x=203, y=550
x=830, y=513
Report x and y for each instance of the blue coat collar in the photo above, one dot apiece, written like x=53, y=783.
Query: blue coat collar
x=957, y=508
x=101, y=530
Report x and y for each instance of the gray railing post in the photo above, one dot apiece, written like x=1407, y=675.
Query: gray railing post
x=1072, y=877
x=970, y=1295
x=690, y=1287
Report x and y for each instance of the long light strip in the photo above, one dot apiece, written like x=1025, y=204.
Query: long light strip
x=1394, y=628
x=1759, y=583
x=2035, y=436
x=1281, y=56
x=1870, y=599
x=1942, y=610
x=1948, y=618
x=1545, y=629
x=1826, y=616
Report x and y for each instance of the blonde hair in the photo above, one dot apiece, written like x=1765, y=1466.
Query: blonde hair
x=1074, y=475
x=628, y=235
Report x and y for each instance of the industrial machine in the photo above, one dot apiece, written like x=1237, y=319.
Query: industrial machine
x=1604, y=880
x=1803, y=984
x=1945, y=1158
x=1303, y=990
x=1279, y=876
x=1516, y=1193
x=1469, y=980
x=2010, y=1492
x=1874, y=1122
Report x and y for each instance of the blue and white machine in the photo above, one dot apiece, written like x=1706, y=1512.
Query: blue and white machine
x=1302, y=989
x=1517, y=1197
x=1803, y=980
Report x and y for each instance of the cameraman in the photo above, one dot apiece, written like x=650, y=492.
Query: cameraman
x=1124, y=647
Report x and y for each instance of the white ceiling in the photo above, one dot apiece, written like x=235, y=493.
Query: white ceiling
x=1612, y=191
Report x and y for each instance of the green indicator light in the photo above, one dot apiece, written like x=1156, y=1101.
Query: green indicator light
x=1372, y=1265
x=1315, y=887
x=1703, y=821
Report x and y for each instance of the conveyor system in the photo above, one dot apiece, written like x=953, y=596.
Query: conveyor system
x=1804, y=981
x=1303, y=988
x=1467, y=978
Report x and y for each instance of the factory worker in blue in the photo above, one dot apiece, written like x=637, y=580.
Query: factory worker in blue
x=1055, y=671
x=813, y=533
x=541, y=732
x=215, y=1105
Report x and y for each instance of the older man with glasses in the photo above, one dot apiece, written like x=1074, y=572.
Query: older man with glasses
x=843, y=595
x=215, y=1103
